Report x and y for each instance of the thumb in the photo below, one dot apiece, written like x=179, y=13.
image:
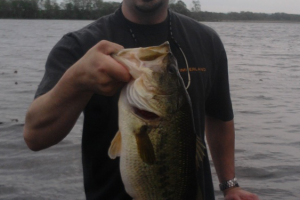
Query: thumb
x=107, y=47
x=114, y=69
x=117, y=70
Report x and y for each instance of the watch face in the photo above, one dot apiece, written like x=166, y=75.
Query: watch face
x=229, y=184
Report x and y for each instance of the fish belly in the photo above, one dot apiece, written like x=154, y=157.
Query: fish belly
x=172, y=175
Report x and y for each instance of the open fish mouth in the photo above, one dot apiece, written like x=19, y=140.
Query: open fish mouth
x=144, y=114
x=140, y=102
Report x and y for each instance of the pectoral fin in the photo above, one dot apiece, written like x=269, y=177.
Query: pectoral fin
x=115, y=146
x=144, y=145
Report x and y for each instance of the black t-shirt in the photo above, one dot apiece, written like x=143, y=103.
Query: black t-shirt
x=209, y=90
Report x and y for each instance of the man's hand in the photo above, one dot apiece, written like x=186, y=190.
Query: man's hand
x=237, y=193
x=52, y=116
x=98, y=72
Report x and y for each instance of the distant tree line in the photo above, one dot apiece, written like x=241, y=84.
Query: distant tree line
x=199, y=15
x=93, y=9
x=247, y=16
x=50, y=9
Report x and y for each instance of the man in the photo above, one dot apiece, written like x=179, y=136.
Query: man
x=82, y=76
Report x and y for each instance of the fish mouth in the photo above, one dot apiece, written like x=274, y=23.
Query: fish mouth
x=144, y=114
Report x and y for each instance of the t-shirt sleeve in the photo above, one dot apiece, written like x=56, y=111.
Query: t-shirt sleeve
x=63, y=55
x=218, y=103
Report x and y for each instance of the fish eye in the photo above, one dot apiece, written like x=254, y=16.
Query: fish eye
x=171, y=69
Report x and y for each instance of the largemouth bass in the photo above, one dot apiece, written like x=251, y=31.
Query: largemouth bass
x=156, y=141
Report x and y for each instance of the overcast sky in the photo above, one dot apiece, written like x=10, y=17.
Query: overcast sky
x=265, y=6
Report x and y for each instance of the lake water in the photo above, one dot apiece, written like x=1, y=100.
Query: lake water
x=264, y=60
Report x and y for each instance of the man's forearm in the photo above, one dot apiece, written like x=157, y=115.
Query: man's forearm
x=221, y=137
x=52, y=116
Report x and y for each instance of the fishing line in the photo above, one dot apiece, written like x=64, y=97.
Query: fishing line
x=178, y=46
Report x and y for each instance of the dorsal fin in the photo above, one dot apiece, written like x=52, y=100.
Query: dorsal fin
x=199, y=151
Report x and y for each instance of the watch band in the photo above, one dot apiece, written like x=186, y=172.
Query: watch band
x=228, y=184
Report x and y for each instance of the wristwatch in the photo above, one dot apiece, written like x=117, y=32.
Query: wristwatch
x=228, y=184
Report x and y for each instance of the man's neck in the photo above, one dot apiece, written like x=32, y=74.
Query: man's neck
x=147, y=18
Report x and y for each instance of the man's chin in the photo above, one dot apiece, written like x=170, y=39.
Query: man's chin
x=149, y=6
